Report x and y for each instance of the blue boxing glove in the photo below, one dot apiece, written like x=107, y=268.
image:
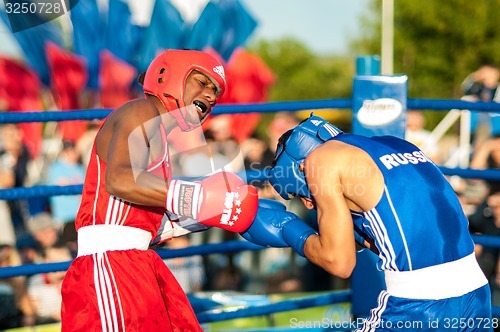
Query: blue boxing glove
x=275, y=227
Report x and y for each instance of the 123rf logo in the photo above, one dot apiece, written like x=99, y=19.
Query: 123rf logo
x=26, y=14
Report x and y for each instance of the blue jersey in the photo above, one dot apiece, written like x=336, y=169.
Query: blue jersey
x=470, y=312
x=419, y=221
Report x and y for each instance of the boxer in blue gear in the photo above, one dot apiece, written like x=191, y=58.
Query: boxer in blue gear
x=388, y=194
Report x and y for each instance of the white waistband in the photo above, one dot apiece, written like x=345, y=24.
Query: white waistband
x=437, y=282
x=100, y=238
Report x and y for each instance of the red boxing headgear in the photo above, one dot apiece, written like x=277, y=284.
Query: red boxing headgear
x=166, y=78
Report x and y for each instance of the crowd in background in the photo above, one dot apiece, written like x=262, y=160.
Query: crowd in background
x=42, y=229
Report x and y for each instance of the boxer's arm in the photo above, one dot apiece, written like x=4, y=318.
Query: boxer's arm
x=334, y=248
x=123, y=144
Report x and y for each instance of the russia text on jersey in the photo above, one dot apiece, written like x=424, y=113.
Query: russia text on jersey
x=396, y=159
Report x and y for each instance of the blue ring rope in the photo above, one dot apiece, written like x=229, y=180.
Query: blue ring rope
x=207, y=249
x=286, y=305
x=90, y=114
x=251, y=175
x=19, y=117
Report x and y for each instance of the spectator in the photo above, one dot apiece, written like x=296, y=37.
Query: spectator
x=494, y=204
x=482, y=221
x=84, y=143
x=45, y=289
x=279, y=125
x=482, y=85
x=66, y=170
x=229, y=276
x=486, y=220
x=486, y=155
x=197, y=155
x=7, y=180
x=15, y=306
x=280, y=270
x=28, y=248
x=257, y=157
x=45, y=230
x=17, y=157
x=221, y=140
x=418, y=135
x=189, y=271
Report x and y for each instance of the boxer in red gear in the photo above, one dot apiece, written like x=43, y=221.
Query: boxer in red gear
x=116, y=283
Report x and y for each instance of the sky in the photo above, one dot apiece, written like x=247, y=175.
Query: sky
x=324, y=26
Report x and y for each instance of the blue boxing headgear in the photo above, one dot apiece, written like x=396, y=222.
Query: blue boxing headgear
x=293, y=148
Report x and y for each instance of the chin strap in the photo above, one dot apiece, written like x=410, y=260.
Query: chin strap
x=172, y=106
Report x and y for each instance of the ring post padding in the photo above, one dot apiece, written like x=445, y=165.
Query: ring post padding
x=368, y=65
x=378, y=102
x=379, y=108
x=366, y=284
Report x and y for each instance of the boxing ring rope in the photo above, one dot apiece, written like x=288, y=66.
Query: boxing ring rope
x=206, y=249
x=286, y=305
x=251, y=175
x=430, y=104
x=236, y=246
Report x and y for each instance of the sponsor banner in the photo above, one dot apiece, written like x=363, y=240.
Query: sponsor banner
x=379, y=105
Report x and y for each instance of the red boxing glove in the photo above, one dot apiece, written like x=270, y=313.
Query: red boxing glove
x=221, y=200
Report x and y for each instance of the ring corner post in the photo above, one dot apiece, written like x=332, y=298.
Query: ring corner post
x=379, y=108
x=379, y=101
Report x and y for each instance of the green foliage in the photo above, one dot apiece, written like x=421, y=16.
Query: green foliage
x=437, y=43
x=302, y=75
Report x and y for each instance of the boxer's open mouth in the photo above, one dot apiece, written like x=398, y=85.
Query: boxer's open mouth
x=201, y=106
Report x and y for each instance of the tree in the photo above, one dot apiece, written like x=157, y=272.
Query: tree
x=301, y=75
x=436, y=43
